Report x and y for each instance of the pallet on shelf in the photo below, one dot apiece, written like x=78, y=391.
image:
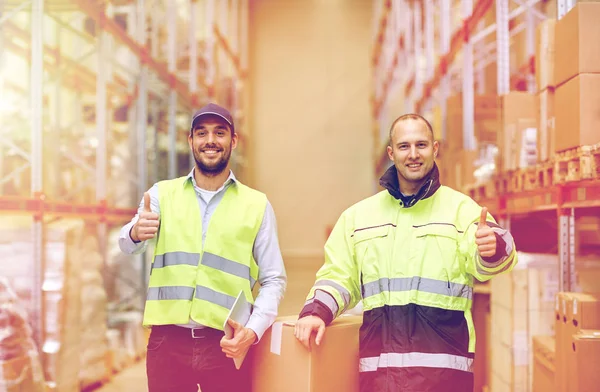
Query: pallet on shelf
x=577, y=164
x=545, y=174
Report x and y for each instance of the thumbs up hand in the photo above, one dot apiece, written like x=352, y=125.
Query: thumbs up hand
x=147, y=225
x=485, y=237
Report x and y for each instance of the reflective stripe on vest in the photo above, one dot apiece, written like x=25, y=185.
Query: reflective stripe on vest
x=406, y=360
x=228, y=266
x=192, y=280
x=175, y=258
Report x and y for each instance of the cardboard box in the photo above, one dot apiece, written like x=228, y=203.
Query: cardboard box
x=577, y=37
x=577, y=108
x=543, y=379
x=544, y=54
x=522, y=306
x=280, y=362
x=485, y=117
x=560, y=327
x=575, y=311
x=464, y=167
x=512, y=107
x=586, y=357
x=545, y=125
x=525, y=144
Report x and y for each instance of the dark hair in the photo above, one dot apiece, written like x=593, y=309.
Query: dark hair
x=409, y=116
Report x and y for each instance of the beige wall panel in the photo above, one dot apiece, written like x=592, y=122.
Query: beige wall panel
x=311, y=147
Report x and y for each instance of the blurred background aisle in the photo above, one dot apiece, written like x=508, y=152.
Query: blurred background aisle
x=95, y=103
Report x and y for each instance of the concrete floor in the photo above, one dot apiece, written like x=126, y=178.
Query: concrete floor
x=132, y=379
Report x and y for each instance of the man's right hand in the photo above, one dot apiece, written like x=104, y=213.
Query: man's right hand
x=306, y=326
x=147, y=225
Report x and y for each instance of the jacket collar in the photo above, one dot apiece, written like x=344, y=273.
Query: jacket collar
x=389, y=181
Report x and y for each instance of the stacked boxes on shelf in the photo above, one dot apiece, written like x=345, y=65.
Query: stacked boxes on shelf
x=522, y=305
x=544, y=368
x=544, y=66
x=577, y=342
x=457, y=165
x=517, y=123
x=526, y=318
x=577, y=77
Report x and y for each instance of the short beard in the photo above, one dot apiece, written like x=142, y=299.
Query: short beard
x=213, y=171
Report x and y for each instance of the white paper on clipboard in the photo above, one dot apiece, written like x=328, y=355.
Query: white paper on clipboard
x=239, y=312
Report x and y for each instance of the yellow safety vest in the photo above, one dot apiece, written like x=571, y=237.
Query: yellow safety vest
x=189, y=281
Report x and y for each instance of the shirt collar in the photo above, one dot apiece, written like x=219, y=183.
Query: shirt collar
x=231, y=179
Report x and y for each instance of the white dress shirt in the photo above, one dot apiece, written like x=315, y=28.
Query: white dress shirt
x=271, y=274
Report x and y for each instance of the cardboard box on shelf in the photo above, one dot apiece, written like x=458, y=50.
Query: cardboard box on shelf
x=561, y=326
x=583, y=312
x=544, y=54
x=512, y=107
x=485, y=120
x=544, y=351
x=577, y=114
x=577, y=37
x=464, y=168
x=281, y=362
x=525, y=153
x=575, y=311
x=522, y=306
x=545, y=125
x=585, y=359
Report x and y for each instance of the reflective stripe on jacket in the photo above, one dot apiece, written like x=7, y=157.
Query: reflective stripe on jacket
x=413, y=268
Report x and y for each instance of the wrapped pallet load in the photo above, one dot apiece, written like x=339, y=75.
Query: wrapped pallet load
x=93, y=317
x=61, y=289
x=20, y=367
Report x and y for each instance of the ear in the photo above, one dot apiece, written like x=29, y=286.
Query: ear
x=234, y=141
x=191, y=141
x=436, y=147
x=390, y=153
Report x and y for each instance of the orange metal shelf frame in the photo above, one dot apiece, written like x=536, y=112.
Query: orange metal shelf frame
x=39, y=207
x=109, y=25
x=577, y=194
x=456, y=43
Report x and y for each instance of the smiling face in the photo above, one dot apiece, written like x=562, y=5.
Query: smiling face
x=413, y=150
x=212, y=141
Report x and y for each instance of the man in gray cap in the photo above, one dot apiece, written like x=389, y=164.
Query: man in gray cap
x=197, y=273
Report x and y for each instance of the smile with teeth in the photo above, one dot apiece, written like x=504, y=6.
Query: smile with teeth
x=210, y=152
x=414, y=165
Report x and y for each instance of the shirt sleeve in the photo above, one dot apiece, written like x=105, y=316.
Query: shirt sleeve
x=271, y=275
x=126, y=244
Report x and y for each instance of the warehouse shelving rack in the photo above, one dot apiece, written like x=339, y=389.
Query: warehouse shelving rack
x=457, y=64
x=216, y=39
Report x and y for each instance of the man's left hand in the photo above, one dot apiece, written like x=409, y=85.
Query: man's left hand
x=241, y=341
x=485, y=237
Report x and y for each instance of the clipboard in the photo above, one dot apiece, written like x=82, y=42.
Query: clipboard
x=239, y=312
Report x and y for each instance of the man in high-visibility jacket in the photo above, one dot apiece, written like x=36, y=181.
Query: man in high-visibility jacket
x=215, y=238
x=410, y=253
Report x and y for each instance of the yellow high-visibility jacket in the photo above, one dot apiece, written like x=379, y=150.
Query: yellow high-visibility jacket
x=412, y=262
